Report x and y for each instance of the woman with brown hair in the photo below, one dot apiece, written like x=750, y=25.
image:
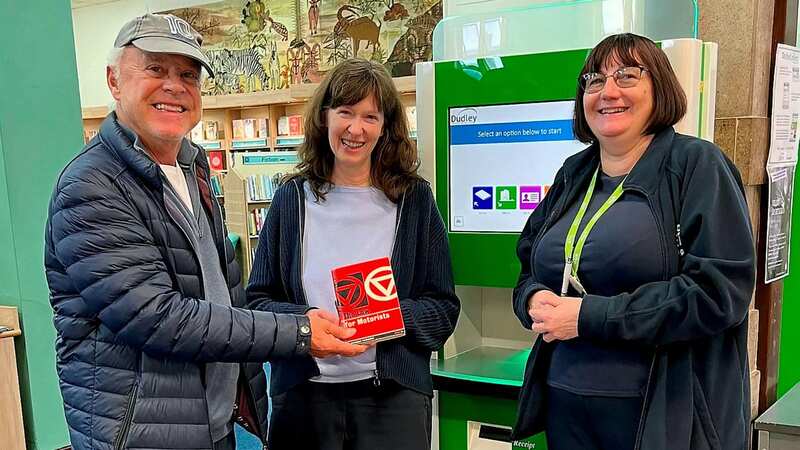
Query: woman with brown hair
x=637, y=273
x=356, y=196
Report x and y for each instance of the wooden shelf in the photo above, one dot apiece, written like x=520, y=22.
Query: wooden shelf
x=94, y=112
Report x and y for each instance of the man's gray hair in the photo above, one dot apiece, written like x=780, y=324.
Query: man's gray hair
x=113, y=59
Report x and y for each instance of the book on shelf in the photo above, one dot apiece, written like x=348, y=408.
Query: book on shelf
x=366, y=299
x=295, y=125
x=283, y=126
x=211, y=130
x=238, y=129
x=255, y=221
x=249, y=128
x=411, y=117
x=216, y=160
x=216, y=185
x=261, y=188
x=89, y=134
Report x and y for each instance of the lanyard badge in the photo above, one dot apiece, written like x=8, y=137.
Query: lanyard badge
x=573, y=249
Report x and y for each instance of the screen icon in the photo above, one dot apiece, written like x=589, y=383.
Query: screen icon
x=481, y=197
x=506, y=197
x=530, y=197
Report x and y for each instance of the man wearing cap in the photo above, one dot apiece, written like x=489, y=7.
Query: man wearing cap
x=154, y=350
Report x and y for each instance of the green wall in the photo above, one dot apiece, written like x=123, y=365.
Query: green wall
x=789, y=368
x=40, y=130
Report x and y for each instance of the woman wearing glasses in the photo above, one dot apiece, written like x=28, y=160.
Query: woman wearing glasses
x=637, y=271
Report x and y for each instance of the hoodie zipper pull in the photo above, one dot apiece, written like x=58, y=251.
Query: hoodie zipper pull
x=678, y=241
x=377, y=380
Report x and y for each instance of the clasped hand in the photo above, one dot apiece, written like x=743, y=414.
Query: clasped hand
x=554, y=317
x=327, y=335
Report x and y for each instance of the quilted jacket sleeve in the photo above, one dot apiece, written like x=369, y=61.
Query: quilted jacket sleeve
x=111, y=260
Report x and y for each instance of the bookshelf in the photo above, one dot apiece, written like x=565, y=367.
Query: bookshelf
x=249, y=186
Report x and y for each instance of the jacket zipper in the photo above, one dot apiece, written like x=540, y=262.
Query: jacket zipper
x=645, y=401
x=200, y=276
x=123, y=431
x=664, y=249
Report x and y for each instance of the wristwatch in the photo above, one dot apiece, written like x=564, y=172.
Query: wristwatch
x=303, y=334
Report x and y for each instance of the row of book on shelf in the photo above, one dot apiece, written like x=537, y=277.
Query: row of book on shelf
x=261, y=188
x=216, y=185
x=255, y=220
x=209, y=130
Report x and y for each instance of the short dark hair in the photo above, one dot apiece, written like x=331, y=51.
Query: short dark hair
x=394, y=160
x=669, y=100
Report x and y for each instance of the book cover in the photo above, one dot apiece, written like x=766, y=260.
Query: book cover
x=295, y=125
x=366, y=299
x=283, y=126
x=250, y=128
x=216, y=161
x=238, y=129
x=263, y=128
x=212, y=130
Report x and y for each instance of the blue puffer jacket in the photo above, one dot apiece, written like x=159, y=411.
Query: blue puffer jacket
x=133, y=329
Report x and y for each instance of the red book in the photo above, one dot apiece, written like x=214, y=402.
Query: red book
x=366, y=298
x=215, y=161
x=295, y=125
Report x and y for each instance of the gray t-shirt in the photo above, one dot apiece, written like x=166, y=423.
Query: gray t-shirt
x=353, y=224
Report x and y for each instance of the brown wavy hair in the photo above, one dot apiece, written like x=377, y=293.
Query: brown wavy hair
x=394, y=160
x=669, y=100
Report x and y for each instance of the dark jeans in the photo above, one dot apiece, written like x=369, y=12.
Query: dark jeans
x=591, y=423
x=350, y=416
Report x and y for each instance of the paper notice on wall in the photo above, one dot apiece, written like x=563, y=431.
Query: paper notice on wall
x=779, y=221
x=785, y=106
x=782, y=159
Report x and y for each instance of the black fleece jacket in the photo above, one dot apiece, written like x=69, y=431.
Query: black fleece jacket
x=423, y=276
x=694, y=320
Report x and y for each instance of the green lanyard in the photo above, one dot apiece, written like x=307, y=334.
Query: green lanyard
x=572, y=250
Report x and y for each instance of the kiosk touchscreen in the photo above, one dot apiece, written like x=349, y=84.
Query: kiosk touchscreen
x=502, y=160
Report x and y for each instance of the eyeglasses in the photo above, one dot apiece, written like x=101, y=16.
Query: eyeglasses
x=624, y=77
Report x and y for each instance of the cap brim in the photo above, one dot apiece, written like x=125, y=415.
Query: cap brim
x=165, y=45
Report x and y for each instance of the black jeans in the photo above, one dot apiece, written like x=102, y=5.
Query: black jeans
x=350, y=416
x=582, y=422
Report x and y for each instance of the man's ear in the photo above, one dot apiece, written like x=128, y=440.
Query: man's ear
x=113, y=83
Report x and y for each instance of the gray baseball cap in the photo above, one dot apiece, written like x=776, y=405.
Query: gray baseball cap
x=163, y=33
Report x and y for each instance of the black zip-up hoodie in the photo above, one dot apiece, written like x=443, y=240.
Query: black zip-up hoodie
x=694, y=320
x=423, y=276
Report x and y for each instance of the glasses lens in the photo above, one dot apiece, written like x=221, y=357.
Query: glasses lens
x=627, y=76
x=593, y=82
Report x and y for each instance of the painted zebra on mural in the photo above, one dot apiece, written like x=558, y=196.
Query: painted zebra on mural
x=244, y=62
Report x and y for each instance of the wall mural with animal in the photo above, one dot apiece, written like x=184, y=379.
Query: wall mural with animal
x=258, y=45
